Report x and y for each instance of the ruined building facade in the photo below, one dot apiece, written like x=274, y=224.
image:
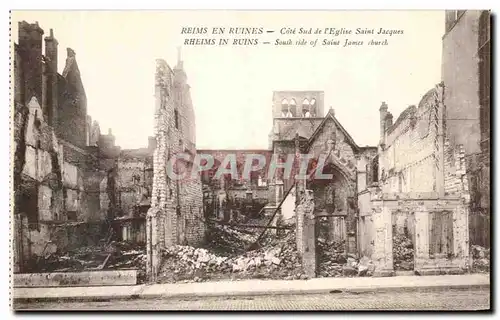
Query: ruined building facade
x=433, y=175
x=72, y=185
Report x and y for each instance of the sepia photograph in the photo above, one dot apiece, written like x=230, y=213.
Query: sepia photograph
x=250, y=160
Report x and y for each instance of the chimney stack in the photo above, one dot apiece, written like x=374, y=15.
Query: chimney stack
x=30, y=45
x=388, y=120
x=383, y=114
x=51, y=100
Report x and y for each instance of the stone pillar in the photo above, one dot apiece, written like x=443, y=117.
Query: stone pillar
x=383, y=113
x=152, y=243
x=422, y=237
x=461, y=236
x=440, y=137
x=306, y=236
x=382, y=255
x=272, y=194
x=279, y=191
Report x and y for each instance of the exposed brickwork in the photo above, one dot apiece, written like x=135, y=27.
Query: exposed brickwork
x=176, y=205
x=456, y=182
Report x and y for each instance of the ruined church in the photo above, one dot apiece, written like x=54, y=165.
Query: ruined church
x=72, y=184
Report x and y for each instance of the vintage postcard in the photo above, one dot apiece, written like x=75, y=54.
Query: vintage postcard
x=250, y=160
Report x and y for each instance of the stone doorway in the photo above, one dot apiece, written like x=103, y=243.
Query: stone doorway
x=333, y=215
x=403, y=240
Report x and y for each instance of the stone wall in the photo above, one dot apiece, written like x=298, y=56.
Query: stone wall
x=134, y=181
x=176, y=213
x=460, y=47
x=286, y=128
x=467, y=101
x=72, y=112
x=52, y=193
x=409, y=161
x=259, y=194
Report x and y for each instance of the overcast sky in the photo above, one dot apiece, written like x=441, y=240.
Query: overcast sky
x=232, y=86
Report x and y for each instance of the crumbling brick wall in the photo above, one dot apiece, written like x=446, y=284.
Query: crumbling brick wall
x=175, y=216
x=456, y=182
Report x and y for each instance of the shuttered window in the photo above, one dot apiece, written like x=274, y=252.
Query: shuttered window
x=440, y=234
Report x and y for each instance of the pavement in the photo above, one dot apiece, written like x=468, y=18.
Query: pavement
x=430, y=300
x=255, y=288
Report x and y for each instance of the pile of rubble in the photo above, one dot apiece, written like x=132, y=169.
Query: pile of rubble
x=226, y=240
x=128, y=256
x=331, y=258
x=480, y=259
x=334, y=262
x=403, y=252
x=277, y=261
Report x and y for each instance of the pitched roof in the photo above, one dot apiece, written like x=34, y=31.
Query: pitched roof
x=330, y=115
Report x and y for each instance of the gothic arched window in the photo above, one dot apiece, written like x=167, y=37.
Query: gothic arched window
x=293, y=107
x=284, y=107
x=305, y=108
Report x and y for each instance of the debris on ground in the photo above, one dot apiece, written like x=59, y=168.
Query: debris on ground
x=480, y=259
x=331, y=258
x=227, y=240
x=366, y=267
x=403, y=252
x=277, y=259
x=114, y=256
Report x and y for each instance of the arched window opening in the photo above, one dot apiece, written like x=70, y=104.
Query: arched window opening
x=293, y=108
x=305, y=109
x=284, y=107
x=374, y=170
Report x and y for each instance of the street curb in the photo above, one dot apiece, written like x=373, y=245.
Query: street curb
x=312, y=291
x=359, y=290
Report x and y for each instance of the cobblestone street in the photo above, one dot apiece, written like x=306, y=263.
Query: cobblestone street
x=416, y=300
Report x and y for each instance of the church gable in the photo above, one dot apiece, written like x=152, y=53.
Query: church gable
x=331, y=135
x=332, y=140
